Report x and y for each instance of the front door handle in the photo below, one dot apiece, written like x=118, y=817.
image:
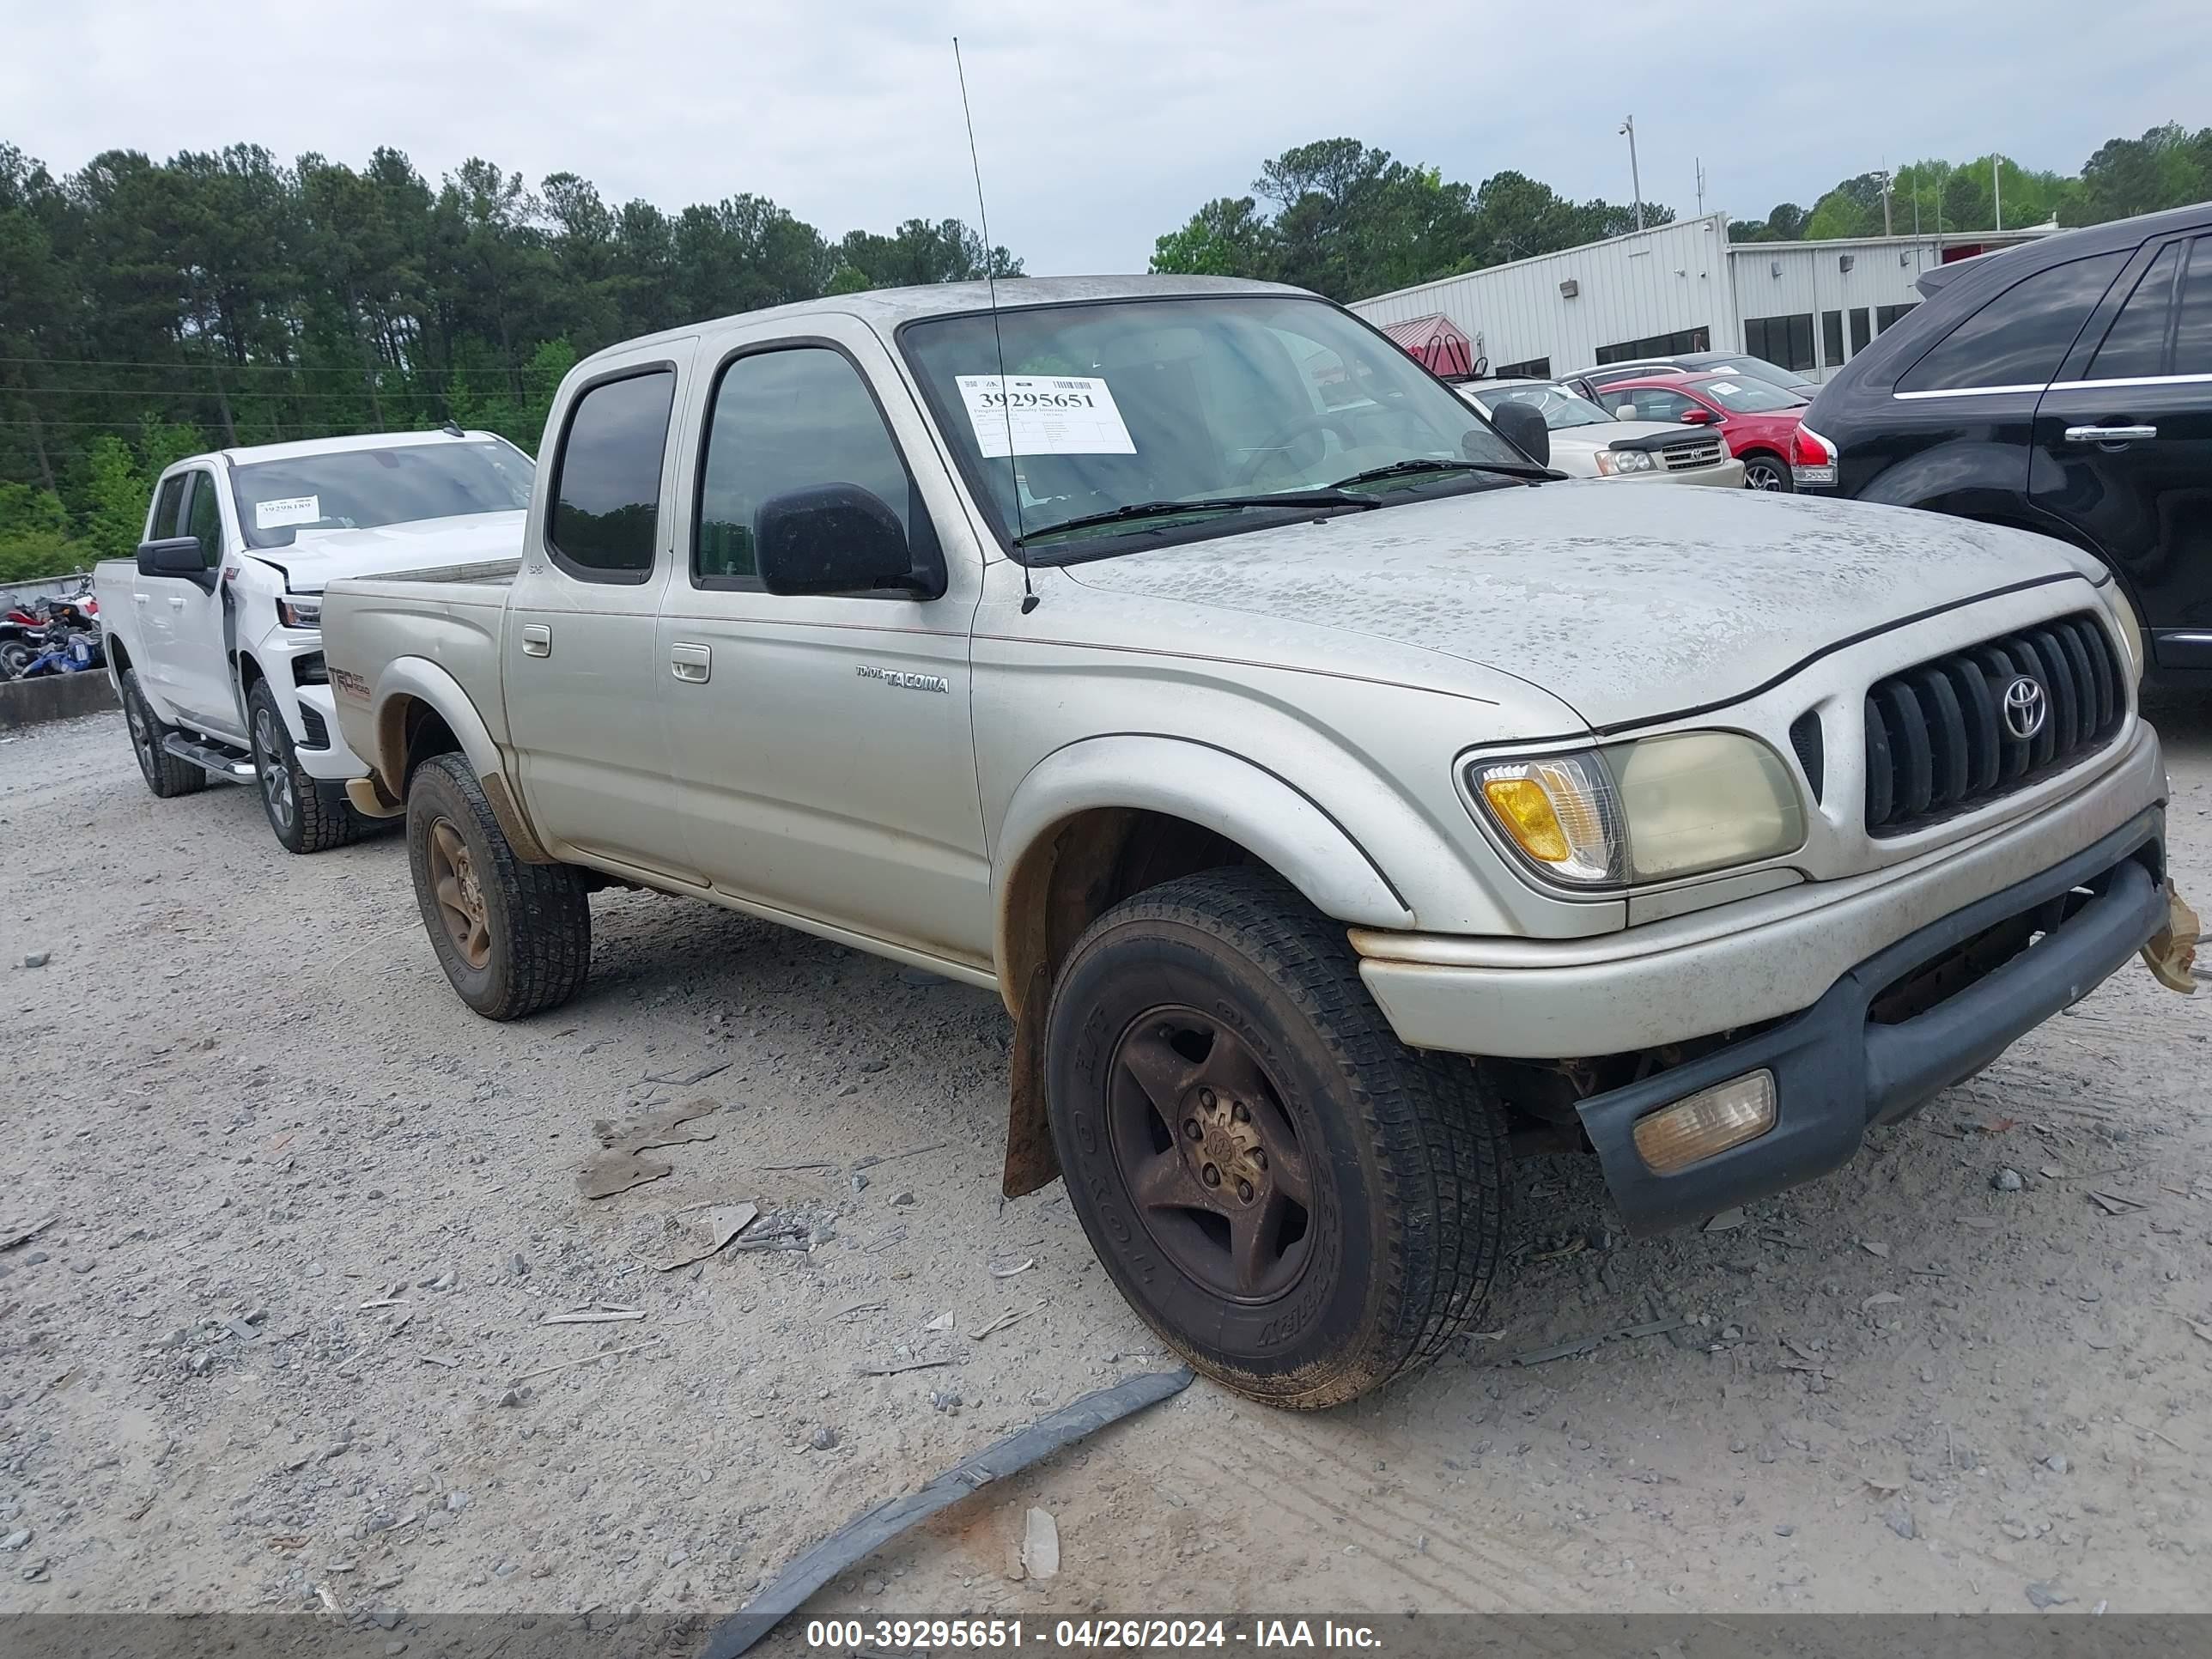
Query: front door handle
x=537, y=640
x=690, y=663
x=2108, y=434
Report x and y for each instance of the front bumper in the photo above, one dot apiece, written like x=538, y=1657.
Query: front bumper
x=332, y=759
x=1837, y=1069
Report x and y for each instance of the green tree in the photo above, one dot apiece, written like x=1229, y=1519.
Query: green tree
x=1227, y=237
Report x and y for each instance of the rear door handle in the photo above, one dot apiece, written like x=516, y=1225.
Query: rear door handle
x=690, y=663
x=176, y=602
x=2108, y=434
x=537, y=640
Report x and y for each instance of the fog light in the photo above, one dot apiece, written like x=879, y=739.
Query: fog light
x=1711, y=1120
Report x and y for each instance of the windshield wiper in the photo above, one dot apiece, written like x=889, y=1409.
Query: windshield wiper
x=1423, y=463
x=1332, y=496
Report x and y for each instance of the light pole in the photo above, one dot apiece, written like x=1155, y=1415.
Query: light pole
x=1635, y=178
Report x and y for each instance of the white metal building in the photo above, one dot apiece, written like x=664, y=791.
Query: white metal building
x=1807, y=306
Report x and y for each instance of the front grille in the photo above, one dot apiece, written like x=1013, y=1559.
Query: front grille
x=319, y=735
x=1940, y=739
x=1680, y=457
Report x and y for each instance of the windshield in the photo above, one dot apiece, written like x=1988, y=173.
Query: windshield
x=1559, y=406
x=1758, y=369
x=1750, y=396
x=357, y=489
x=1214, y=399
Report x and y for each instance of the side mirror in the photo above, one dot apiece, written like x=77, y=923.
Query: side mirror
x=1624, y=411
x=173, y=556
x=1523, y=426
x=1699, y=417
x=837, y=539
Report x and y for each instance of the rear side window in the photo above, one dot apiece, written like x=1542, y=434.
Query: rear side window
x=170, y=497
x=2192, y=334
x=2134, y=345
x=2018, y=338
x=606, y=488
x=787, y=419
x=203, y=518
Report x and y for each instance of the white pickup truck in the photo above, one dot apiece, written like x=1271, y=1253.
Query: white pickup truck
x=214, y=631
x=1339, y=802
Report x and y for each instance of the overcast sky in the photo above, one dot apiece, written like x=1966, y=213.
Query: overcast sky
x=1102, y=124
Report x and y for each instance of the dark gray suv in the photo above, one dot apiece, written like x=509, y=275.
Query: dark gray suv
x=2064, y=386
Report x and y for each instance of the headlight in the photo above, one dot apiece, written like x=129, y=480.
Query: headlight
x=1646, y=812
x=300, y=609
x=2131, y=634
x=1612, y=462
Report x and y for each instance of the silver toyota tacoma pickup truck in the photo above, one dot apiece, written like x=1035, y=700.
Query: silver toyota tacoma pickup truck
x=1340, y=803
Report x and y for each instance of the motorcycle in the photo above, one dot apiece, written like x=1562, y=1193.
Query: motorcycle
x=70, y=643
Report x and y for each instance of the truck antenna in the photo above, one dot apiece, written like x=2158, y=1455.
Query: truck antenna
x=991, y=284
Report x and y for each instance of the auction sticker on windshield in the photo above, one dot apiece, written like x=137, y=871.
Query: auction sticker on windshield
x=1044, y=414
x=292, y=509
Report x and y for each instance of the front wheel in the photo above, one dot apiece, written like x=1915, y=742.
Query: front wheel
x=514, y=937
x=309, y=814
x=1769, y=472
x=1297, y=1203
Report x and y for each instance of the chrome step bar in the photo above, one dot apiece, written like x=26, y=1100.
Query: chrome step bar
x=211, y=760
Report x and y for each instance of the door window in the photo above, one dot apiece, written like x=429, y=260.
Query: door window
x=2134, y=345
x=2018, y=338
x=1651, y=403
x=203, y=518
x=168, y=506
x=606, y=485
x=2192, y=334
x=784, y=420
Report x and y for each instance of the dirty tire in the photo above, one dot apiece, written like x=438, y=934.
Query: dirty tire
x=309, y=814
x=1764, y=471
x=536, y=918
x=164, y=775
x=1401, y=1155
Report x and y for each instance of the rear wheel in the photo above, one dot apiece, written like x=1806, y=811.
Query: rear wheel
x=1764, y=471
x=1297, y=1203
x=309, y=814
x=164, y=775
x=514, y=937
x=16, y=655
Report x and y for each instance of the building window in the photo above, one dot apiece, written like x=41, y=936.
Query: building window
x=1658, y=345
x=1859, y=338
x=1831, y=337
x=1536, y=368
x=1885, y=316
x=1786, y=342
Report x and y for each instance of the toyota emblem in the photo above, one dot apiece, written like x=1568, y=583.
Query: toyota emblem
x=2026, y=708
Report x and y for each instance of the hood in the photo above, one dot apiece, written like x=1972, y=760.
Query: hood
x=1591, y=439
x=318, y=557
x=1626, y=604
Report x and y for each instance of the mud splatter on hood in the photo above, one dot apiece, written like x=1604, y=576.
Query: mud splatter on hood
x=1623, y=603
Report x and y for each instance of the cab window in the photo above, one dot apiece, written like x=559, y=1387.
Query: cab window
x=783, y=420
x=606, y=487
x=168, y=507
x=203, y=518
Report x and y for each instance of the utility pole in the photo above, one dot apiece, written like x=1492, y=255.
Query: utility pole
x=1635, y=178
x=1884, y=175
x=1997, y=191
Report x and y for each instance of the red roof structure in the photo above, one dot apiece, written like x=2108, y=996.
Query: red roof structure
x=1436, y=343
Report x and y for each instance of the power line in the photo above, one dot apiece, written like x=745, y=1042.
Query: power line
x=160, y=392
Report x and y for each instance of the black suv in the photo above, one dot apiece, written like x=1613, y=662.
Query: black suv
x=2063, y=387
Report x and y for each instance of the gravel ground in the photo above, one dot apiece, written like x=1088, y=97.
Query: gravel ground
x=282, y=1345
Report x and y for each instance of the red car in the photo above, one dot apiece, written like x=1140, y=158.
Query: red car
x=1760, y=422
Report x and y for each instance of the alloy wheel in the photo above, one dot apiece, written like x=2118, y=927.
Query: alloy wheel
x=460, y=900
x=275, y=776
